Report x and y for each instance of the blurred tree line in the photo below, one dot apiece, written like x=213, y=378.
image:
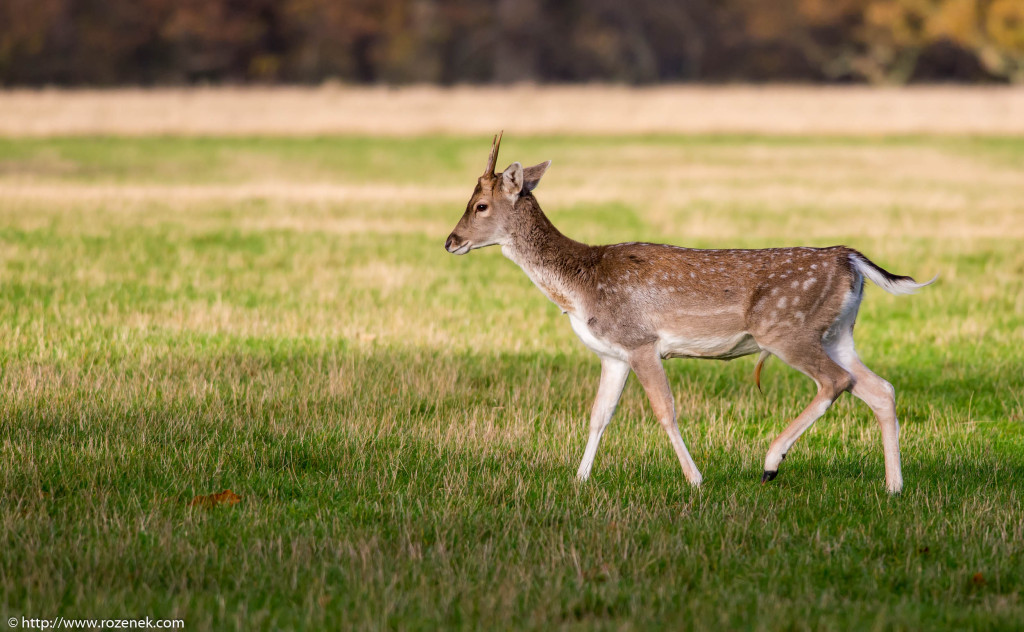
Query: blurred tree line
x=104, y=42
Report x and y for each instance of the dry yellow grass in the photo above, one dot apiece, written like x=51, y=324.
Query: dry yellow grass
x=519, y=109
x=915, y=189
x=888, y=194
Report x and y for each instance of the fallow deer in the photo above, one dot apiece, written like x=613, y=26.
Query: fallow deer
x=634, y=304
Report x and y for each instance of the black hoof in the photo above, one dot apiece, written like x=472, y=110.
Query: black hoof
x=768, y=476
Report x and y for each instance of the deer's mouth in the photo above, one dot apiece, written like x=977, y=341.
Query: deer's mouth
x=463, y=249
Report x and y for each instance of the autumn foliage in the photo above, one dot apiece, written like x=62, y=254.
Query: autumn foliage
x=104, y=42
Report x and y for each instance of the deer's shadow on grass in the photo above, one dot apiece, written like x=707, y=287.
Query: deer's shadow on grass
x=551, y=391
x=491, y=416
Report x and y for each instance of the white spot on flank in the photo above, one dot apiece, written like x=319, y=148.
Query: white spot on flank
x=782, y=303
x=795, y=283
x=809, y=282
x=775, y=291
x=692, y=275
x=800, y=316
x=814, y=266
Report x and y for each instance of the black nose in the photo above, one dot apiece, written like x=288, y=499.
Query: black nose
x=451, y=240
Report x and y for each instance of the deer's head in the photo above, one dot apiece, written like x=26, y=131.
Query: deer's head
x=492, y=207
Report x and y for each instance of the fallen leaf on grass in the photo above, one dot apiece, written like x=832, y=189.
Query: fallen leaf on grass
x=978, y=579
x=226, y=497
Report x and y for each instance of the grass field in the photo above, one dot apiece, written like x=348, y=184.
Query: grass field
x=278, y=317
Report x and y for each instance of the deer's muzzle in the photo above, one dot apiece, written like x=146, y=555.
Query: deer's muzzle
x=456, y=245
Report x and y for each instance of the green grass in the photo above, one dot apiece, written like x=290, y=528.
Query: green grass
x=404, y=426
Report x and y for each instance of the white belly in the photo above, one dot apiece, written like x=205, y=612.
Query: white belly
x=709, y=347
x=595, y=344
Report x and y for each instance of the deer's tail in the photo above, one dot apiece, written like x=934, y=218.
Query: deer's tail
x=891, y=283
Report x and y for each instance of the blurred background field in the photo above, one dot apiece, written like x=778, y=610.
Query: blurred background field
x=520, y=109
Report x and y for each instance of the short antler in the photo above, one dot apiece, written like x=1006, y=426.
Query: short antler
x=492, y=161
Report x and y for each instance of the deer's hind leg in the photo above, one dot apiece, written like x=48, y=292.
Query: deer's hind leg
x=880, y=396
x=809, y=357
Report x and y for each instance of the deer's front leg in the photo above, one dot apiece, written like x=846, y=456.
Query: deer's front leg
x=613, y=378
x=646, y=363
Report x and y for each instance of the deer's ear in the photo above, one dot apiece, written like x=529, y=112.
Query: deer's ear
x=512, y=179
x=532, y=175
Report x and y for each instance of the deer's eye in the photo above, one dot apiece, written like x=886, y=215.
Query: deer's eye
x=480, y=208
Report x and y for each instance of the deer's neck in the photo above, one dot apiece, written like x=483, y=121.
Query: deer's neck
x=558, y=265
